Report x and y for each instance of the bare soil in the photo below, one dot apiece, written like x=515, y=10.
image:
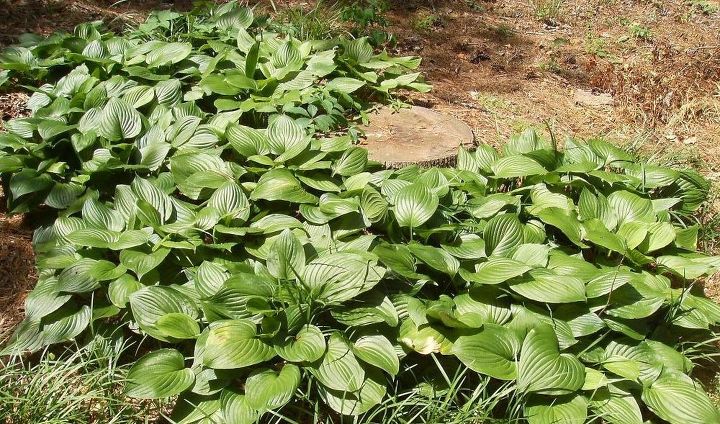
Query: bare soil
x=644, y=74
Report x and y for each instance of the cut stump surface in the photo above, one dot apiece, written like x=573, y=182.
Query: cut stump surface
x=415, y=135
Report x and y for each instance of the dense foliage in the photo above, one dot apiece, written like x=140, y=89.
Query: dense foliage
x=204, y=203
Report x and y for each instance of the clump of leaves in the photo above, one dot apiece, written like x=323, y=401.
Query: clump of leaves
x=203, y=204
x=126, y=104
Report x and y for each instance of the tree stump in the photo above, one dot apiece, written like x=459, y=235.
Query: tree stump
x=415, y=136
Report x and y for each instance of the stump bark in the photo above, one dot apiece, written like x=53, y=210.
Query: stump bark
x=415, y=136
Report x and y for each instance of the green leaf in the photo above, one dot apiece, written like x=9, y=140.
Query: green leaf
x=631, y=207
x=234, y=344
x=545, y=286
x=280, y=184
x=571, y=410
x=286, y=138
x=338, y=277
x=495, y=271
x=119, y=120
x=140, y=262
x=355, y=403
x=339, y=369
x=159, y=374
x=236, y=409
x=178, y=326
x=616, y=406
x=502, y=235
x=210, y=278
x=414, y=205
x=152, y=303
x=679, y=401
x=435, y=258
x=307, y=346
x=268, y=389
x=378, y=351
x=543, y=369
x=352, y=162
x=492, y=351
x=168, y=53
x=517, y=166
x=344, y=85
x=286, y=260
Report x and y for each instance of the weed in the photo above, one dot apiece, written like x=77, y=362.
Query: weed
x=365, y=13
x=596, y=46
x=78, y=386
x=367, y=18
x=427, y=21
x=547, y=11
x=640, y=32
x=474, y=6
x=502, y=32
x=320, y=22
x=704, y=6
x=551, y=65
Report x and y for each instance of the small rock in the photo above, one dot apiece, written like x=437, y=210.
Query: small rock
x=588, y=98
x=690, y=140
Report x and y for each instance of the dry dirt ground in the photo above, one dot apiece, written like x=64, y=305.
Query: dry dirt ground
x=644, y=74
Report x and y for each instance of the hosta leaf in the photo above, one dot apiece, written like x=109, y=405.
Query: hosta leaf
x=352, y=162
x=268, y=389
x=679, y=401
x=378, y=351
x=414, y=205
x=307, y=346
x=159, y=374
x=119, y=120
x=502, y=235
x=517, y=166
x=563, y=410
x=236, y=409
x=210, y=278
x=543, y=369
x=631, y=207
x=344, y=84
x=100, y=216
x=67, y=326
x=151, y=303
x=178, y=326
x=280, y=184
x=339, y=369
x=234, y=344
x=168, y=53
x=338, y=277
x=119, y=291
x=284, y=134
x=435, y=258
x=544, y=286
x=142, y=262
x=495, y=271
x=286, y=260
x=616, y=406
x=492, y=351
x=355, y=403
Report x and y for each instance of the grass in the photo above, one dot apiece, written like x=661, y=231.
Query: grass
x=78, y=385
x=640, y=32
x=449, y=403
x=704, y=6
x=548, y=11
x=322, y=21
x=426, y=21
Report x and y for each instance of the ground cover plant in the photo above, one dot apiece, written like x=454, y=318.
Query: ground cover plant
x=206, y=197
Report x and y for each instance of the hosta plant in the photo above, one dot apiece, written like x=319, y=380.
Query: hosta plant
x=268, y=264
